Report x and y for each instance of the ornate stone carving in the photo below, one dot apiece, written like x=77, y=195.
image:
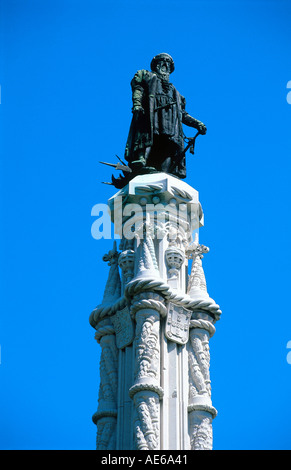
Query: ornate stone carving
x=146, y=421
x=177, y=324
x=106, y=433
x=145, y=377
x=147, y=345
x=197, y=282
x=123, y=326
x=112, y=300
x=182, y=193
x=201, y=437
x=150, y=284
x=177, y=236
x=146, y=264
x=146, y=307
x=113, y=285
x=201, y=411
x=106, y=415
x=149, y=188
x=126, y=263
x=175, y=258
x=146, y=391
x=199, y=364
x=148, y=300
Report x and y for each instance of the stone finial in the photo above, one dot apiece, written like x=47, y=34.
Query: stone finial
x=197, y=281
x=113, y=284
x=146, y=258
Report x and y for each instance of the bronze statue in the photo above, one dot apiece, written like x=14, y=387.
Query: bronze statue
x=156, y=139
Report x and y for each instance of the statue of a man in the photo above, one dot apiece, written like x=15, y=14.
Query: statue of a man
x=156, y=139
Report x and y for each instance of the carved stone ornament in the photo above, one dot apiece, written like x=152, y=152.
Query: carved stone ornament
x=123, y=326
x=126, y=263
x=106, y=415
x=175, y=258
x=177, y=324
x=146, y=421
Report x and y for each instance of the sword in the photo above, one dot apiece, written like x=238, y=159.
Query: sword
x=118, y=166
x=165, y=105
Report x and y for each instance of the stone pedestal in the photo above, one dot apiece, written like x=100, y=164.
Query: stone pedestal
x=155, y=322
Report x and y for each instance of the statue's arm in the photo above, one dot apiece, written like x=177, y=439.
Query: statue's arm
x=191, y=121
x=137, y=86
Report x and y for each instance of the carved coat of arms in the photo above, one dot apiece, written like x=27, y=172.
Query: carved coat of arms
x=123, y=326
x=177, y=324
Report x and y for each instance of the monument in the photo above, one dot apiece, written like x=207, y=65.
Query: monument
x=156, y=317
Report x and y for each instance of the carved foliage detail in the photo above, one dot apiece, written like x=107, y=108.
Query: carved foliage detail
x=107, y=401
x=147, y=344
x=146, y=391
x=201, y=411
x=201, y=437
x=146, y=421
x=106, y=434
x=108, y=369
x=199, y=359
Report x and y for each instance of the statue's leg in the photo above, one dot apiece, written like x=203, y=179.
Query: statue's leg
x=158, y=152
x=176, y=162
x=169, y=160
x=140, y=159
x=181, y=167
x=166, y=165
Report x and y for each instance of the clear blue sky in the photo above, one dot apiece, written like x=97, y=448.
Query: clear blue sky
x=66, y=68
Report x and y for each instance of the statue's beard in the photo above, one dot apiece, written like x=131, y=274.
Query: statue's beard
x=163, y=74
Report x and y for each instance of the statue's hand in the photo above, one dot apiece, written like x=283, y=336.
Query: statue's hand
x=137, y=111
x=201, y=128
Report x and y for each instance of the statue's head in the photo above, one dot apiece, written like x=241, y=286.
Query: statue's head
x=163, y=65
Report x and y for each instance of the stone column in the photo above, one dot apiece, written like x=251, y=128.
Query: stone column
x=200, y=409
x=146, y=391
x=125, y=331
x=106, y=416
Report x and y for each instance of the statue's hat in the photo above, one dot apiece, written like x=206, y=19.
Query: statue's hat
x=158, y=57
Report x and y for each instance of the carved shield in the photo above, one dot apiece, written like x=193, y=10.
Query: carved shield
x=177, y=323
x=123, y=326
